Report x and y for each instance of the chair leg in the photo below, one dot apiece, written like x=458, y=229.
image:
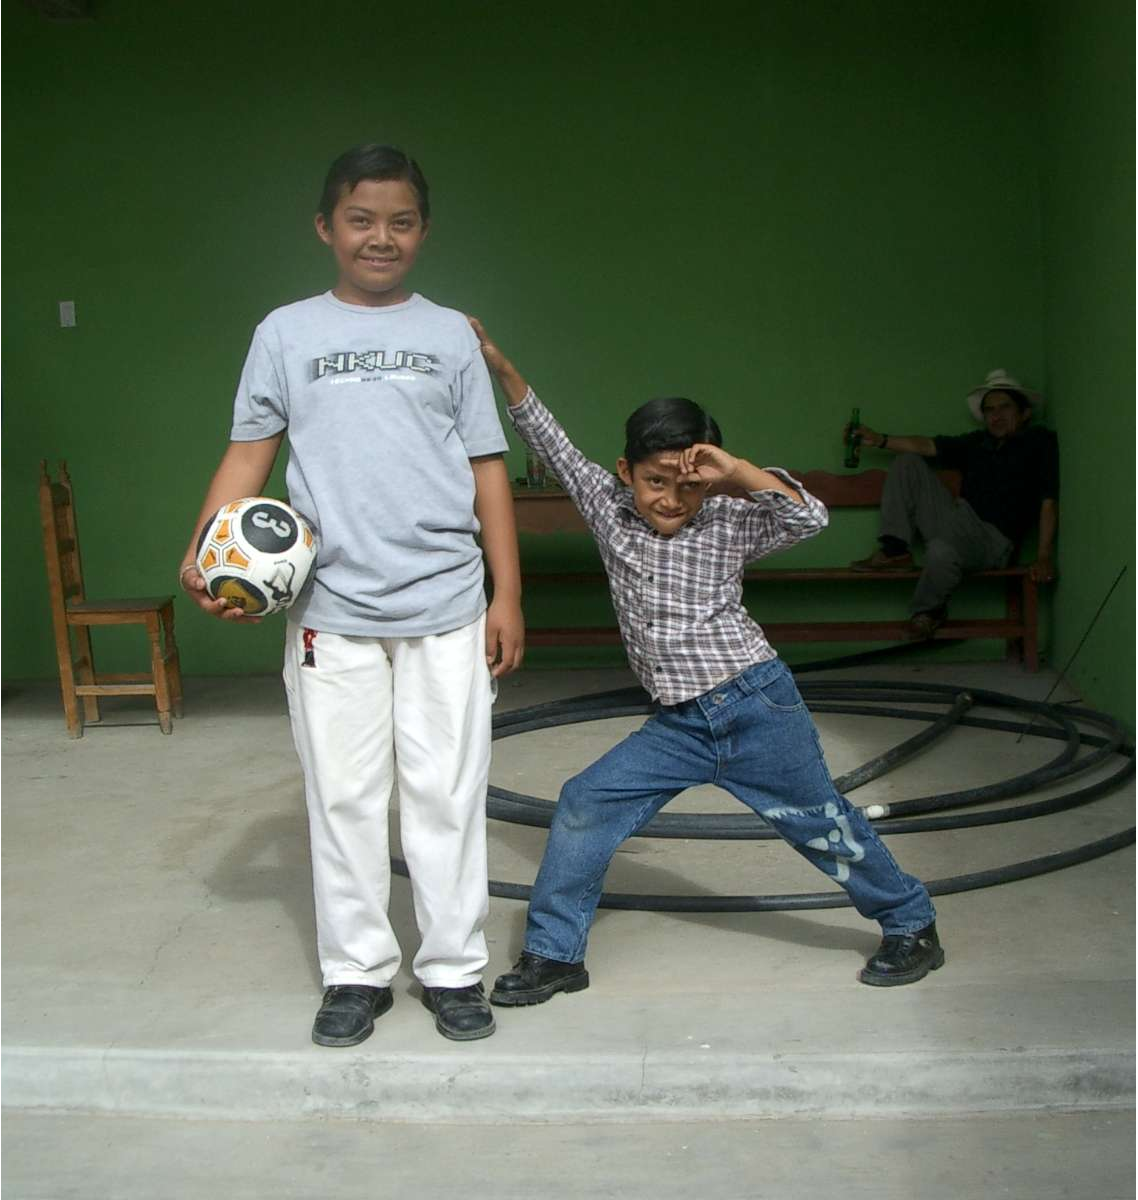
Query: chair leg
x=173, y=663
x=158, y=672
x=67, y=684
x=87, y=672
x=1013, y=610
x=1030, y=624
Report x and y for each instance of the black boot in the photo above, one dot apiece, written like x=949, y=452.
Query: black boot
x=461, y=1014
x=534, y=979
x=348, y=1014
x=904, y=958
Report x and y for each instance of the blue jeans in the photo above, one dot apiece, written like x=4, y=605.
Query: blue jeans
x=751, y=735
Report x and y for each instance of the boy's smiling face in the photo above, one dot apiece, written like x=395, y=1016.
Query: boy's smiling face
x=375, y=233
x=665, y=501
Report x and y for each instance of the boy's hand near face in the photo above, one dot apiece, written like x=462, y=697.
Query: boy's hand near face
x=504, y=371
x=703, y=463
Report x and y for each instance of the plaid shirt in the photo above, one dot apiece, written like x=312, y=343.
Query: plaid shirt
x=678, y=599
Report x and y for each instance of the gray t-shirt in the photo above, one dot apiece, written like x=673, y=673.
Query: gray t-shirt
x=384, y=408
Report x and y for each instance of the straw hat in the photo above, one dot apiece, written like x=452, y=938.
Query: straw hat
x=1000, y=381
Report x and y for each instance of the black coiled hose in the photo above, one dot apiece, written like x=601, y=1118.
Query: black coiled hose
x=862, y=698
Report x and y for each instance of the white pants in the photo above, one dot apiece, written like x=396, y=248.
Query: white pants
x=367, y=712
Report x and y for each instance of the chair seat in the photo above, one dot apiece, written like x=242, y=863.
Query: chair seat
x=144, y=604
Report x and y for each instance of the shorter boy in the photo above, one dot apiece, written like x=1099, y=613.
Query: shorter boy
x=729, y=710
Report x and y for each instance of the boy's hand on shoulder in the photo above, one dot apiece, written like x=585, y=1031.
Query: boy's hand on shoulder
x=703, y=463
x=504, y=371
x=505, y=637
x=494, y=357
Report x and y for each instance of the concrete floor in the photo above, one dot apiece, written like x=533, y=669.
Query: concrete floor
x=161, y=982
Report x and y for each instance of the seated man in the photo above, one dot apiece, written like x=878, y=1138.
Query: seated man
x=1010, y=479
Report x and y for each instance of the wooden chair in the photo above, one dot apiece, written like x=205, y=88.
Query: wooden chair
x=72, y=612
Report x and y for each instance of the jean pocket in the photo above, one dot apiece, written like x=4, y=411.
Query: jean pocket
x=781, y=693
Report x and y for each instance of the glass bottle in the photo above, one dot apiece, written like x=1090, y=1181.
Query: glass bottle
x=535, y=470
x=853, y=440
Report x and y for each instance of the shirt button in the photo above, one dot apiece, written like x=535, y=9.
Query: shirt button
x=651, y=578
x=649, y=625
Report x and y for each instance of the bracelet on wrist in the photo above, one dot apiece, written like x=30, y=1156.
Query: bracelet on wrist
x=182, y=574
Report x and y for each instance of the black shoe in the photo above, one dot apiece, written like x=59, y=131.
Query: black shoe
x=461, y=1014
x=348, y=1014
x=923, y=625
x=879, y=560
x=534, y=979
x=904, y=958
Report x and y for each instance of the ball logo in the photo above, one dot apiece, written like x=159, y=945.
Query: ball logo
x=268, y=527
x=241, y=594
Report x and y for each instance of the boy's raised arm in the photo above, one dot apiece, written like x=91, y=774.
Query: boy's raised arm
x=588, y=484
x=509, y=378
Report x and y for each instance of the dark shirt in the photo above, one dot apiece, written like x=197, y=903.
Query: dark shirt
x=1005, y=482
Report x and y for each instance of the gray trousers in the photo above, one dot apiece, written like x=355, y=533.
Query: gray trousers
x=914, y=501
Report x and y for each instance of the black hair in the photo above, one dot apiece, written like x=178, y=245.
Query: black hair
x=670, y=423
x=372, y=161
x=1021, y=399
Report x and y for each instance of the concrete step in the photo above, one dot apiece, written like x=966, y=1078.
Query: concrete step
x=923, y=1050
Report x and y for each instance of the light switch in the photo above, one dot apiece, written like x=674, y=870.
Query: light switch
x=67, y=313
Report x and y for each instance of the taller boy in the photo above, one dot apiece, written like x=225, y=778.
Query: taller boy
x=395, y=453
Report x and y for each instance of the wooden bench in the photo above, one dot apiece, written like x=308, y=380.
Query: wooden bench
x=550, y=510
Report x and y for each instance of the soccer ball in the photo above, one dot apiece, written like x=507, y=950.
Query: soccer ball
x=257, y=553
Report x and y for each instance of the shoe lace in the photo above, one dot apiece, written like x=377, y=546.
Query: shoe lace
x=528, y=964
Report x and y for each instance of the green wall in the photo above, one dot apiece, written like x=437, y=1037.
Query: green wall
x=783, y=209
x=1086, y=57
